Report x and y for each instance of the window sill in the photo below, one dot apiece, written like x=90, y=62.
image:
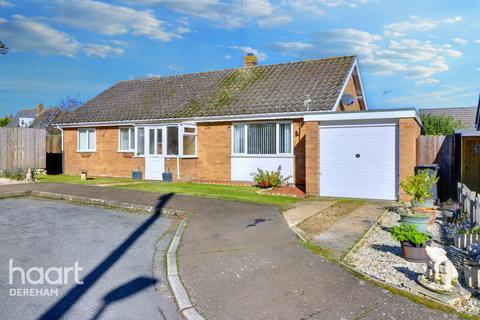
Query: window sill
x=126, y=151
x=86, y=151
x=261, y=156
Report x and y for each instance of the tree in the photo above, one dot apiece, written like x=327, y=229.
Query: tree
x=69, y=104
x=439, y=125
x=5, y=120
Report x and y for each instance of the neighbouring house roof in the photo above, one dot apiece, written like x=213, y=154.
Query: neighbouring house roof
x=45, y=119
x=24, y=113
x=466, y=115
x=312, y=85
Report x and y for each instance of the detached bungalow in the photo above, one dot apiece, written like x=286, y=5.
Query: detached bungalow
x=309, y=117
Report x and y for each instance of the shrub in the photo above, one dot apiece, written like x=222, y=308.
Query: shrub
x=409, y=233
x=474, y=230
x=16, y=174
x=418, y=186
x=269, y=179
x=439, y=125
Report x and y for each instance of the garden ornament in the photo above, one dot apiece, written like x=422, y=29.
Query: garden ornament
x=441, y=272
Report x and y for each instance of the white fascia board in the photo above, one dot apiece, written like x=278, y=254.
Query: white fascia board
x=365, y=115
x=344, y=86
x=247, y=117
x=361, y=84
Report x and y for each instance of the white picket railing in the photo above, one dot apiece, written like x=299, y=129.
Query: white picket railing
x=470, y=200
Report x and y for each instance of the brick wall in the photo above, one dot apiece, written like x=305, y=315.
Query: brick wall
x=214, y=150
x=188, y=168
x=106, y=161
x=312, y=158
x=350, y=89
x=299, y=153
x=409, y=131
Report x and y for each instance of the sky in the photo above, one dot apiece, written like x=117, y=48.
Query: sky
x=411, y=53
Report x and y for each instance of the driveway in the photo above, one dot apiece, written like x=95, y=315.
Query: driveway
x=240, y=261
x=121, y=255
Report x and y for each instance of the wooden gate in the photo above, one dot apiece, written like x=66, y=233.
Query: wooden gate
x=440, y=150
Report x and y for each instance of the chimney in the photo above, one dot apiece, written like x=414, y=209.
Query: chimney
x=249, y=60
x=39, y=108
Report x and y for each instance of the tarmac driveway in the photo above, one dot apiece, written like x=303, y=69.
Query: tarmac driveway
x=121, y=255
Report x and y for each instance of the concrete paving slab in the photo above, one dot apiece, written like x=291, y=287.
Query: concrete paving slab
x=341, y=236
x=305, y=210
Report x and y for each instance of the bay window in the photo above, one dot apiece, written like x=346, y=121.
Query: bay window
x=86, y=140
x=126, y=139
x=262, y=138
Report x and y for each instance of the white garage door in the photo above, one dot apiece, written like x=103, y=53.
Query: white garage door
x=358, y=160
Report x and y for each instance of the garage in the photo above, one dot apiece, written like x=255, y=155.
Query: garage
x=359, y=159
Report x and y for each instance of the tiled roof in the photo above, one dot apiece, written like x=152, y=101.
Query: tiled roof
x=255, y=90
x=466, y=115
x=45, y=119
x=24, y=113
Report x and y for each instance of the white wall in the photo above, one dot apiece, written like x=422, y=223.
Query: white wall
x=243, y=166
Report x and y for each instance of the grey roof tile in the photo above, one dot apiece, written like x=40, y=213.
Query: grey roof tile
x=256, y=90
x=466, y=115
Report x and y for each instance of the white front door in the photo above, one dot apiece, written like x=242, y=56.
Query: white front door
x=154, y=153
x=359, y=160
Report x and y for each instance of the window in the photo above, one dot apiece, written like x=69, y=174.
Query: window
x=141, y=141
x=151, y=141
x=262, y=138
x=189, y=141
x=86, y=139
x=126, y=139
x=172, y=141
x=159, y=141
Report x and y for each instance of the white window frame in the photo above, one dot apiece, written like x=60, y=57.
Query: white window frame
x=131, y=135
x=182, y=133
x=88, y=141
x=277, y=137
x=144, y=142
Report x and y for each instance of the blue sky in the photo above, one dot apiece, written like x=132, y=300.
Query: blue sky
x=411, y=53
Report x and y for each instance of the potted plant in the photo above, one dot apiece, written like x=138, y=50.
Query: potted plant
x=413, y=242
x=418, y=187
x=451, y=211
x=464, y=237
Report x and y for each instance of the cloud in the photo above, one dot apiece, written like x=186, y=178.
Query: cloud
x=478, y=69
x=101, y=50
x=230, y=15
x=393, y=34
x=260, y=55
x=414, y=24
x=428, y=81
x=174, y=68
x=287, y=48
x=314, y=4
x=114, y=20
x=5, y=4
x=445, y=95
x=415, y=59
x=453, y=20
x=36, y=36
x=228, y=57
x=460, y=41
x=476, y=41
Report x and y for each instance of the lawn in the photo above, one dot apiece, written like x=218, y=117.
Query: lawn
x=234, y=193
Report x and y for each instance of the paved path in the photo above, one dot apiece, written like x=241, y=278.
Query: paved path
x=240, y=261
x=121, y=255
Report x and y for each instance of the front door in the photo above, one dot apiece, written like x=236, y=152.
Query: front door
x=154, y=155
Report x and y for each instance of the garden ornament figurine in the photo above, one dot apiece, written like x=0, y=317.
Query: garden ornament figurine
x=29, y=176
x=441, y=274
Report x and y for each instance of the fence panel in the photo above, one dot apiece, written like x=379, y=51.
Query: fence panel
x=440, y=150
x=470, y=201
x=22, y=148
x=54, y=143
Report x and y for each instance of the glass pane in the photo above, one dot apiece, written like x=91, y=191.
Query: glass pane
x=91, y=139
x=82, y=140
x=285, y=138
x=189, y=147
x=189, y=130
x=141, y=141
x=159, y=142
x=239, y=139
x=124, y=139
x=262, y=138
x=172, y=141
x=132, y=138
x=151, y=141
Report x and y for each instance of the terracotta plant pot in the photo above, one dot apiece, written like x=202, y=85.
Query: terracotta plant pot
x=462, y=240
x=412, y=253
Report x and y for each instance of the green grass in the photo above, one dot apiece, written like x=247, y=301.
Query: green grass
x=235, y=193
x=62, y=178
x=320, y=251
x=225, y=192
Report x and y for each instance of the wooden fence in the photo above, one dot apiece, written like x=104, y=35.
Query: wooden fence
x=22, y=148
x=470, y=201
x=54, y=143
x=440, y=150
